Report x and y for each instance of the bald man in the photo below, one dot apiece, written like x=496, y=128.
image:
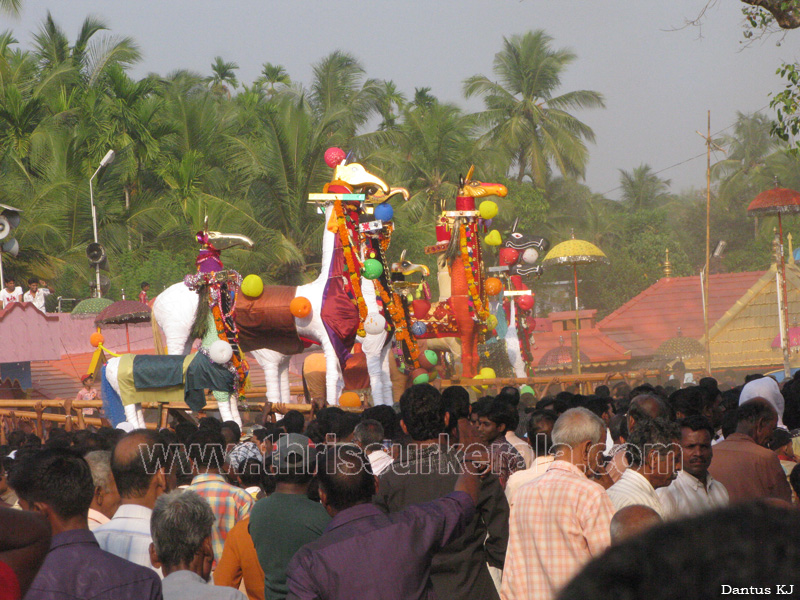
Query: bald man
x=643, y=406
x=632, y=520
x=138, y=464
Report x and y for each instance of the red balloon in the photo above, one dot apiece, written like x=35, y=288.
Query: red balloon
x=508, y=256
x=525, y=302
x=334, y=156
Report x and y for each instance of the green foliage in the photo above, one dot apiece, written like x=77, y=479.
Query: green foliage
x=161, y=269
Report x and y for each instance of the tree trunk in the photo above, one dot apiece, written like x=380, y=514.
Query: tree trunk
x=127, y=210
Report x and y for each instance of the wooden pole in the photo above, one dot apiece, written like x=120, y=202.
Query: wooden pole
x=577, y=322
x=708, y=247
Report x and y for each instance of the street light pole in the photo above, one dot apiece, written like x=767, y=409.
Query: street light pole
x=107, y=160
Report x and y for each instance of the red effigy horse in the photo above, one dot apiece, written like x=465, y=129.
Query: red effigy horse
x=462, y=311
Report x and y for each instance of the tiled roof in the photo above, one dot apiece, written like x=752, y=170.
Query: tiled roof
x=743, y=336
x=598, y=347
x=644, y=322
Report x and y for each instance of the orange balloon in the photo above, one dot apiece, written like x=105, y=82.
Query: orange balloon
x=349, y=400
x=96, y=339
x=493, y=286
x=300, y=307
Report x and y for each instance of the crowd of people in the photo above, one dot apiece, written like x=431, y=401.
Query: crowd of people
x=650, y=492
x=37, y=290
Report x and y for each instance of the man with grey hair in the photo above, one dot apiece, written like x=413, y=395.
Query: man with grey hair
x=106, y=500
x=653, y=450
x=368, y=435
x=562, y=519
x=631, y=521
x=181, y=526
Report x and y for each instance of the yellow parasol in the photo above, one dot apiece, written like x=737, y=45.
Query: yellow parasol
x=573, y=253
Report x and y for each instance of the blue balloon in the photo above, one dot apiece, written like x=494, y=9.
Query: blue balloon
x=419, y=328
x=384, y=212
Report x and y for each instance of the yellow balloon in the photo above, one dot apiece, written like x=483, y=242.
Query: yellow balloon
x=252, y=286
x=493, y=237
x=491, y=322
x=487, y=373
x=488, y=209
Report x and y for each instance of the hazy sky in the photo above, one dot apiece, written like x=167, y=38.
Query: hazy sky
x=658, y=82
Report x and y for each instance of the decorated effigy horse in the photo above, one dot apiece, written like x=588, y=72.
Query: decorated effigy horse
x=462, y=310
x=219, y=365
x=511, y=300
x=277, y=321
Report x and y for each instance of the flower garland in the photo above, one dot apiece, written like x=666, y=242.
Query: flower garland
x=467, y=243
x=402, y=333
x=524, y=336
x=350, y=266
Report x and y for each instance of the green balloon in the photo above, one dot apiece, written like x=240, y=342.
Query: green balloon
x=432, y=357
x=424, y=378
x=372, y=268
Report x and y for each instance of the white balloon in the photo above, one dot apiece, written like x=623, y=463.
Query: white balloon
x=374, y=323
x=530, y=256
x=220, y=352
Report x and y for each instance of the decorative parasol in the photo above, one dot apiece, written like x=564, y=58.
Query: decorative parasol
x=793, y=336
x=573, y=253
x=88, y=308
x=560, y=357
x=779, y=201
x=679, y=347
x=124, y=312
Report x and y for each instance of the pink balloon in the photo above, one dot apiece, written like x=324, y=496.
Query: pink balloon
x=334, y=156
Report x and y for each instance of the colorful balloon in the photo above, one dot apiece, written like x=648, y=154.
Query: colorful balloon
x=525, y=302
x=384, y=212
x=220, y=351
x=334, y=156
x=493, y=286
x=374, y=323
x=349, y=400
x=372, y=269
x=491, y=322
x=252, y=286
x=96, y=339
x=300, y=307
x=508, y=256
x=419, y=328
x=419, y=376
x=486, y=373
x=526, y=389
x=488, y=209
x=432, y=357
x=493, y=238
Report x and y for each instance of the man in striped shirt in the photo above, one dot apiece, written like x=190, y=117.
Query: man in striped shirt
x=562, y=519
x=652, y=449
x=229, y=503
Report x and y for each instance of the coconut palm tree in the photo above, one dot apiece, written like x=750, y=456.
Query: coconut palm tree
x=642, y=189
x=525, y=113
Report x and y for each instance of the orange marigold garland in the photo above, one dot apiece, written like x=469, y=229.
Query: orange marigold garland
x=353, y=271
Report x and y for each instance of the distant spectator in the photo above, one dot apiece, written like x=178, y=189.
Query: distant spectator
x=286, y=520
x=231, y=431
x=540, y=428
x=37, y=290
x=87, y=392
x=292, y=422
x=694, y=490
x=106, y=499
x=138, y=464
x=493, y=422
x=766, y=388
x=632, y=521
x=181, y=528
x=368, y=435
x=743, y=464
x=652, y=448
x=10, y=293
x=325, y=568
x=680, y=375
x=145, y=287
x=389, y=419
x=58, y=484
x=230, y=504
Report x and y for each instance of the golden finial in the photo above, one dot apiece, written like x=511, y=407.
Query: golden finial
x=667, y=266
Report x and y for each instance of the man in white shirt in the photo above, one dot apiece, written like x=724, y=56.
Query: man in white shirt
x=36, y=294
x=694, y=490
x=10, y=293
x=105, y=501
x=369, y=436
x=653, y=450
x=137, y=464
